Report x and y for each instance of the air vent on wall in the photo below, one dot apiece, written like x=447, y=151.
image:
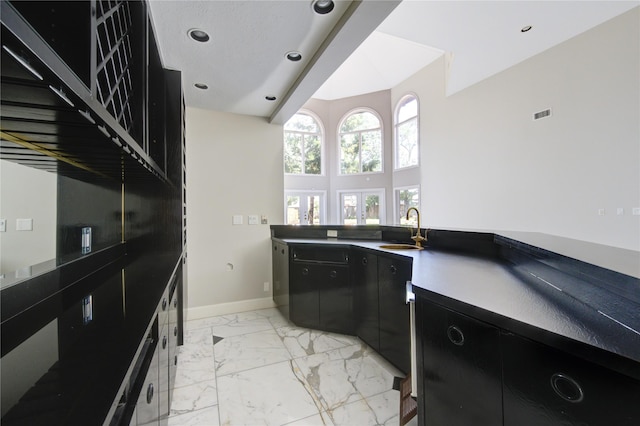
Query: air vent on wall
x=542, y=114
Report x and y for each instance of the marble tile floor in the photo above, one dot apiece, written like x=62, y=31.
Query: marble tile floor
x=256, y=368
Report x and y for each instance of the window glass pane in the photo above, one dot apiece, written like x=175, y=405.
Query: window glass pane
x=408, y=198
x=350, y=209
x=408, y=108
x=292, y=153
x=407, y=139
x=312, y=149
x=372, y=151
x=372, y=209
x=303, y=123
x=293, y=210
x=360, y=121
x=349, y=153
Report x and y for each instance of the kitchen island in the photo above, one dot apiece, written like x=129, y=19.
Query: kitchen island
x=535, y=299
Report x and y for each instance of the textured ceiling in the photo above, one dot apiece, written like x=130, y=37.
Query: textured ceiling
x=245, y=59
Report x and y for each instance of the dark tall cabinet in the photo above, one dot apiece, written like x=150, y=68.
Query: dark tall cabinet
x=85, y=96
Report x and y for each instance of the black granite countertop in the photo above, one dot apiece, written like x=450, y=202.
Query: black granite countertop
x=75, y=375
x=554, y=294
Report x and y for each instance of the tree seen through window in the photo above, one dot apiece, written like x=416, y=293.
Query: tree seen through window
x=360, y=144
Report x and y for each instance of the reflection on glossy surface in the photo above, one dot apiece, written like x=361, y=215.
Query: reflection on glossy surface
x=400, y=247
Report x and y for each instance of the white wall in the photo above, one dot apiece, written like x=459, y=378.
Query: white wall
x=234, y=167
x=486, y=164
x=27, y=193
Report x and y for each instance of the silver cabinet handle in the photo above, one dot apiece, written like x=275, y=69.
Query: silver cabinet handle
x=455, y=335
x=566, y=388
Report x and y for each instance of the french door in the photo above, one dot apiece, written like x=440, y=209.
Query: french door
x=305, y=208
x=362, y=207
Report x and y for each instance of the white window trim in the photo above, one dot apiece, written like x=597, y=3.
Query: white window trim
x=395, y=130
x=322, y=145
x=339, y=146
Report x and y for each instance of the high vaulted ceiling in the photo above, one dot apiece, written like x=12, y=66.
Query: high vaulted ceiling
x=360, y=47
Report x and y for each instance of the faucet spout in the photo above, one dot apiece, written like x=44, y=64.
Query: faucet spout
x=418, y=238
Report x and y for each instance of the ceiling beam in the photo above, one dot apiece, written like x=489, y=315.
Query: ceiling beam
x=358, y=22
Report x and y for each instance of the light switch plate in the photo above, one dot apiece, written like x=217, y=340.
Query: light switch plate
x=253, y=219
x=237, y=219
x=24, y=224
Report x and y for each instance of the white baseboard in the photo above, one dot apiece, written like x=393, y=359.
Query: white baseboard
x=229, y=308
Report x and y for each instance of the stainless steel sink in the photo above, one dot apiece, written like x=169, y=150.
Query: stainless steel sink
x=400, y=247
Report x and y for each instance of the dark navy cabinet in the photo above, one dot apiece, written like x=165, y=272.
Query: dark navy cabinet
x=544, y=386
x=472, y=372
x=280, y=270
x=381, y=312
x=365, y=280
x=460, y=362
x=394, y=323
x=319, y=288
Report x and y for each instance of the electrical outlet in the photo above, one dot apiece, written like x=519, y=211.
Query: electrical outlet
x=266, y=286
x=601, y=212
x=635, y=211
x=620, y=211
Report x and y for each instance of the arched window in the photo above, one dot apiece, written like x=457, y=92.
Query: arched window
x=302, y=145
x=406, y=132
x=361, y=143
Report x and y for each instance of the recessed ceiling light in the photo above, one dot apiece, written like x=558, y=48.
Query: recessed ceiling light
x=322, y=7
x=198, y=35
x=270, y=98
x=294, y=56
x=525, y=28
x=201, y=86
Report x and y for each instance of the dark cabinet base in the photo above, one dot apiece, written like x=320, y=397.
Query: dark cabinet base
x=461, y=371
x=547, y=387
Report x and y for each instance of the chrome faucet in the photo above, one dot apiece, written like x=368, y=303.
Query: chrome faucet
x=417, y=238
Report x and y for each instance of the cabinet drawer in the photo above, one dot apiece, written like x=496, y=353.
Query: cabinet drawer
x=324, y=254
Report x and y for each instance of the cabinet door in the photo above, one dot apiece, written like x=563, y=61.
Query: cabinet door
x=547, y=387
x=173, y=338
x=460, y=383
x=280, y=263
x=336, y=298
x=364, y=269
x=147, y=408
x=394, y=322
x=304, y=298
x=163, y=375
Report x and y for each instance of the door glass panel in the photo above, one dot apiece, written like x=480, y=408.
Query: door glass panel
x=313, y=210
x=350, y=209
x=293, y=210
x=304, y=208
x=372, y=209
